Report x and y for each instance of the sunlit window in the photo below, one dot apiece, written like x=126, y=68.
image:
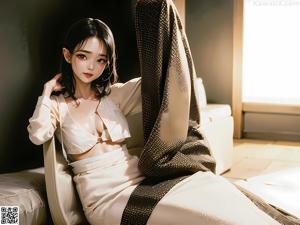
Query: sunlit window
x=271, y=53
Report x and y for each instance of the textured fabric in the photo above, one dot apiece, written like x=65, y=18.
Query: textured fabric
x=170, y=107
x=281, y=217
x=145, y=198
x=173, y=144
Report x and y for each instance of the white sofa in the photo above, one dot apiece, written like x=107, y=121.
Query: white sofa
x=27, y=190
x=216, y=126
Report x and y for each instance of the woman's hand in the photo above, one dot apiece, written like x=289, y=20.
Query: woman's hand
x=53, y=85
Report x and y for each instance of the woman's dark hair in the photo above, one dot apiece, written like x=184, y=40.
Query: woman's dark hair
x=77, y=34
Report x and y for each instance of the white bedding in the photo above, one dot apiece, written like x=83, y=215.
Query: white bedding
x=281, y=189
x=26, y=189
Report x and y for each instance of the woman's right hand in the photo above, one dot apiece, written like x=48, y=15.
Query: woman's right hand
x=53, y=85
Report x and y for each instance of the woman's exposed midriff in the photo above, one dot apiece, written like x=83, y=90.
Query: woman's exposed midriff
x=98, y=149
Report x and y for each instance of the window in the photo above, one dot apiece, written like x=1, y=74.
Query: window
x=271, y=51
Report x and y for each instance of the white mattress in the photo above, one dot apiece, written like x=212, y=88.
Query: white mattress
x=26, y=189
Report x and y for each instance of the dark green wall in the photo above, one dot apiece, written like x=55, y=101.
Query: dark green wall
x=30, y=35
x=209, y=27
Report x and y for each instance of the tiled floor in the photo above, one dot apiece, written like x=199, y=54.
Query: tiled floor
x=256, y=157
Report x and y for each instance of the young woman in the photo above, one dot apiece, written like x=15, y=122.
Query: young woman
x=88, y=117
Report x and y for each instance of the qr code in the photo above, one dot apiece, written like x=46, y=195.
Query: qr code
x=9, y=215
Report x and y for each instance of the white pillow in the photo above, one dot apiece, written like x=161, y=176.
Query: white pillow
x=200, y=92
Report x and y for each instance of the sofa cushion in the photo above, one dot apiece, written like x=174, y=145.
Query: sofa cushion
x=200, y=92
x=26, y=189
x=136, y=142
x=214, y=112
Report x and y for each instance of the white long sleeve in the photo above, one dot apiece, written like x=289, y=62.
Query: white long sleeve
x=43, y=122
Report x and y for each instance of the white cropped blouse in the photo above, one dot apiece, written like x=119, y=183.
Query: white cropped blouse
x=51, y=117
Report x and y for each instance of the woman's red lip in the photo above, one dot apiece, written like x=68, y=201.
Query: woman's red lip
x=88, y=74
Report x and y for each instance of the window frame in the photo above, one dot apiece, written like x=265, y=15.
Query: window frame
x=240, y=107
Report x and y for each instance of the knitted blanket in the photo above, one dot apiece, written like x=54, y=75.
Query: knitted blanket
x=173, y=145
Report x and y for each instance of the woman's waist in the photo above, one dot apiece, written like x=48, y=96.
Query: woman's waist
x=98, y=149
x=101, y=160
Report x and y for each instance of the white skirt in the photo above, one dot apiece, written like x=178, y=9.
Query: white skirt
x=104, y=184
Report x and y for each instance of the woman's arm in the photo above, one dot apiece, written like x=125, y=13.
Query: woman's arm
x=128, y=96
x=43, y=122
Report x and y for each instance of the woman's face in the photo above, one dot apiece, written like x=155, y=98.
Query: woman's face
x=89, y=60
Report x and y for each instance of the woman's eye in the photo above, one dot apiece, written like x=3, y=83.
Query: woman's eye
x=102, y=61
x=81, y=56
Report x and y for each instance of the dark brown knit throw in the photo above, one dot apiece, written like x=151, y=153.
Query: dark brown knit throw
x=173, y=145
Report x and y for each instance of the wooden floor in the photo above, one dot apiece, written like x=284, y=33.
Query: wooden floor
x=256, y=157
x=269, y=169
